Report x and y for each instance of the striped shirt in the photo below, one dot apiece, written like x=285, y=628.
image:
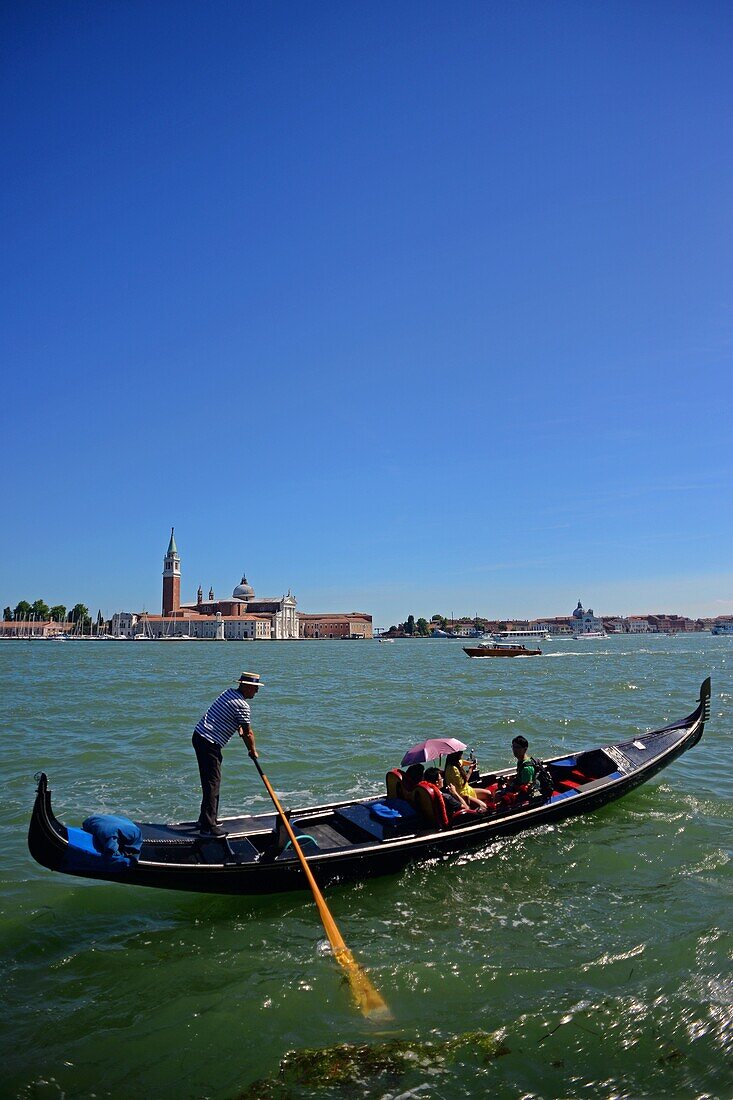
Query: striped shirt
x=224, y=717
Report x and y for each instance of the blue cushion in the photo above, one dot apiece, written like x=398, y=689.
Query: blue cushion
x=118, y=839
x=82, y=841
x=382, y=812
x=401, y=804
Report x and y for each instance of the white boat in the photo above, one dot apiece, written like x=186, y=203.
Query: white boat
x=534, y=634
x=722, y=628
x=589, y=635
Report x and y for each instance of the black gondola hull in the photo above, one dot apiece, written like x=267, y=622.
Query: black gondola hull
x=229, y=873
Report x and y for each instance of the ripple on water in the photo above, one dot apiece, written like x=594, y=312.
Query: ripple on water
x=597, y=951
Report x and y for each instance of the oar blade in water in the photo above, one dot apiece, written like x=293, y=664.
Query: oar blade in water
x=369, y=1000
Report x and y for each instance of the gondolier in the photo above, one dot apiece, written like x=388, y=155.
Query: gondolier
x=227, y=715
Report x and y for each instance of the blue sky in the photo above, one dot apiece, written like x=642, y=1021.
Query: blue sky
x=406, y=306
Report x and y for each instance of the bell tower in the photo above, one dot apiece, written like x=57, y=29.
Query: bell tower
x=171, y=579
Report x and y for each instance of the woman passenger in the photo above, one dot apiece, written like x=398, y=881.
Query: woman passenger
x=456, y=778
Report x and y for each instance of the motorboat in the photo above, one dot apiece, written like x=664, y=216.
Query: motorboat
x=501, y=649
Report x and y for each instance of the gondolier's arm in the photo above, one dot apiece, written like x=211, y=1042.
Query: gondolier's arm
x=248, y=736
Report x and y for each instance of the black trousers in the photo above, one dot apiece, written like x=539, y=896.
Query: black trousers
x=209, y=760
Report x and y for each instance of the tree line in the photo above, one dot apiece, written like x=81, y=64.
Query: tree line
x=40, y=612
x=421, y=628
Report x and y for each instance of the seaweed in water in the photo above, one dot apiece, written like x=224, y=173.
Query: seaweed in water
x=342, y=1065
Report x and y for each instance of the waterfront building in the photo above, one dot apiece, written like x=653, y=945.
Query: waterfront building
x=239, y=617
x=35, y=628
x=585, y=622
x=232, y=628
x=559, y=625
x=281, y=611
x=349, y=624
x=638, y=624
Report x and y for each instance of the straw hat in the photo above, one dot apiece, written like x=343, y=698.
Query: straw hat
x=250, y=679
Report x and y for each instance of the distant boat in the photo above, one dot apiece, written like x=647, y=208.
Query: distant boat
x=146, y=635
x=533, y=634
x=722, y=628
x=501, y=649
x=586, y=635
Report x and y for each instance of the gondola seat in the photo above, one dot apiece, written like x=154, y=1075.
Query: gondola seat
x=394, y=779
x=431, y=804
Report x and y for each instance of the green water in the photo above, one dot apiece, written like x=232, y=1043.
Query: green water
x=596, y=953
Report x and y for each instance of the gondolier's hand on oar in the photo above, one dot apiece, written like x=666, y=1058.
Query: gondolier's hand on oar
x=248, y=736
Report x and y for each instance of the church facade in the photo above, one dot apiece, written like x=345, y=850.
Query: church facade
x=239, y=617
x=243, y=615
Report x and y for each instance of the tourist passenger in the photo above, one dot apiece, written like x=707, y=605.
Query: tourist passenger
x=524, y=777
x=521, y=785
x=453, y=801
x=412, y=777
x=456, y=778
x=227, y=715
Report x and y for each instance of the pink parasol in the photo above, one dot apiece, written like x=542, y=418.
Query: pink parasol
x=431, y=750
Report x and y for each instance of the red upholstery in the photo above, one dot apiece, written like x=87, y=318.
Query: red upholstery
x=431, y=804
x=461, y=816
x=394, y=779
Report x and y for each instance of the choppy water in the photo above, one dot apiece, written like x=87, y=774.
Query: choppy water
x=597, y=952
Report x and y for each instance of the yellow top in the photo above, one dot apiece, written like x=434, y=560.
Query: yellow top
x=454, y=778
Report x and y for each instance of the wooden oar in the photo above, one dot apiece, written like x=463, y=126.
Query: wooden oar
x=366, y=996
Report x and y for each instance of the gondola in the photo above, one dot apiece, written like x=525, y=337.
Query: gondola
x=345, y=841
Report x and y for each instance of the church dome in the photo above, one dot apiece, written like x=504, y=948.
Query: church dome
x=578, y=613
x=244, y=591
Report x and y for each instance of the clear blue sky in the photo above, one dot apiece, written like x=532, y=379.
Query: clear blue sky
x=411, y=307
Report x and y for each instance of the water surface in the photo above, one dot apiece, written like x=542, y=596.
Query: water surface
x=596, y=951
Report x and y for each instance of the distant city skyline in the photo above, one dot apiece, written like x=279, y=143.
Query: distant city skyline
x=389, y=604
x=412, y=308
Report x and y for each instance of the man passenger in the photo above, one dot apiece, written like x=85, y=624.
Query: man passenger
x=453, y=801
